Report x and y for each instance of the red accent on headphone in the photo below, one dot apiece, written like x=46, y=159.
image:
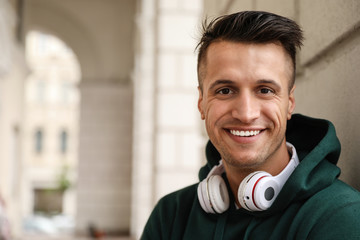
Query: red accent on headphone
x=253, y=198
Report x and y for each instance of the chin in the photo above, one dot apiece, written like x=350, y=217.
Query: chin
x=244, y=161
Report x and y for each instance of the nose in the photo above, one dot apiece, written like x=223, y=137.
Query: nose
x=246, y=108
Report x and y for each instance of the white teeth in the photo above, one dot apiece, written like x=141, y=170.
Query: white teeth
x=244, y=133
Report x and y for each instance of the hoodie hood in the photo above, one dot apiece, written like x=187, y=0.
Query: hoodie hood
x=318, y=150
x=313, y=203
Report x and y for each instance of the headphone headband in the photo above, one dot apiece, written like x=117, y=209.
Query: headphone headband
x=290, y=167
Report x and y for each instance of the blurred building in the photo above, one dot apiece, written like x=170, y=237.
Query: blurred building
x=137, y=134
x=51, y=109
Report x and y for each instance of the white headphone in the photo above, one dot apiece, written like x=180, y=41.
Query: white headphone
x=256, y=192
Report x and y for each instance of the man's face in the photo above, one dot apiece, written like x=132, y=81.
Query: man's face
x=245, y=101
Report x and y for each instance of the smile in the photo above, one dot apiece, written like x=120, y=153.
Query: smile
x=244, y=133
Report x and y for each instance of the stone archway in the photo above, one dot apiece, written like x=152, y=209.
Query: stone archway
x=100, y=34
x=47, y=17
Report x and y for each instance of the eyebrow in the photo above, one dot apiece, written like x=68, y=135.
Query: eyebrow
x=220, y=82
x=269, y=81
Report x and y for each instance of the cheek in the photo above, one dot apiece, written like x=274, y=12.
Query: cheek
x=214, y=113
x=276, y=112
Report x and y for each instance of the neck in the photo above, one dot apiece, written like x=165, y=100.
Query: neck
x=273, y=165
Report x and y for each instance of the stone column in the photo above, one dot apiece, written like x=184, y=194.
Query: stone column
x=104, y=171
x=13, y=71
x=178, y=136
x=144, y=117
x=168, y=142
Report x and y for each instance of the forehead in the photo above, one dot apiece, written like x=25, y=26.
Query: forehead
x=240, y=50
x=247, y=58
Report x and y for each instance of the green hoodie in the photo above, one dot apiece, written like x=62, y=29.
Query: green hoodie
x=313, y=204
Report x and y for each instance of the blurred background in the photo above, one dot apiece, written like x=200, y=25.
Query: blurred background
x=98, y=105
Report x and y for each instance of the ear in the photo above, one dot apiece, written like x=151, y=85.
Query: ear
x=200, y=107
x=292, y=104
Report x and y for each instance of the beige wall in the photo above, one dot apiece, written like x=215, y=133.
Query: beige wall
x=328, y=72
x=329, y=78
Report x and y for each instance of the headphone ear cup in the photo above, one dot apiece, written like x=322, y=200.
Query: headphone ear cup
x=203, y=196
x=265, y=192
x=213, y=195
x=253, y=193
x=218, y=193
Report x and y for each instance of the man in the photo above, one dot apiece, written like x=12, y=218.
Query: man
x=259, y=190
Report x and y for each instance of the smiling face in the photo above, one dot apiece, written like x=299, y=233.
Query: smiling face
x=245, y=102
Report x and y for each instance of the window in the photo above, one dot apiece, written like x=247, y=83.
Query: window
x=63, y=141
x=39, y=141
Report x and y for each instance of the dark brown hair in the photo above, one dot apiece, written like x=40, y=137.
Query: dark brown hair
x=251, y=27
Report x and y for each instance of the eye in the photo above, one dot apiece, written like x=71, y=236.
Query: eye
x=224, y=91
x=266, y=91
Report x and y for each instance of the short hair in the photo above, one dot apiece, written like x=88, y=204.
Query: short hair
x=251, y=27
